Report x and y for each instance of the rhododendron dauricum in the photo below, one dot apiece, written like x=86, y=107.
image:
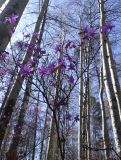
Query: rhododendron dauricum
x=11, y=19
x=107, y=27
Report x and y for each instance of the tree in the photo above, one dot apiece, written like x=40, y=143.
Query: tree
x=107, y=77
x=13, y=10
x=15, y=89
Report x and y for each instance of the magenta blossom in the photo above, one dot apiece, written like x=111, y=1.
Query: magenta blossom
x=20, y=44
x=89, y=33
x=43, y=71
x=26, y=70
x=11, y=19
x=107, y=27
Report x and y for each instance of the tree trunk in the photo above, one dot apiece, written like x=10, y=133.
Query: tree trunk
x=80, y=105
x=115, y=81
x=52, y=149
x=114, y=110
x=15, y=89
x=13, y=6
x=105, y=134
x=12, y=152
x=35, y=130
x=2, y=2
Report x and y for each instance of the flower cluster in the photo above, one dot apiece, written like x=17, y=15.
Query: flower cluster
x=12, y=19
x=89, y=33
x=43, y=71
x=27, y=69
x=107, y=27
x=68, y=45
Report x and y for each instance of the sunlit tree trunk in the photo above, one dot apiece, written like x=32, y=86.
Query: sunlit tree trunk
x=13, y=6
x=114, y=109
x=43, y=133
x=15, y=89
x=88, y=100
x=115, y=81
x=105, y=134
x=2, y=2
x=80, y=104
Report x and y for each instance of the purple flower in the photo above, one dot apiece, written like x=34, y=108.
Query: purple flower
x=68, y=116
x=42, y=71
x=46, y=70
x=20, y=44
x=76, y=118
x=11, y=19
x=32, y=60
x=89, y=33
x=31, y=46
x=37, y=49
x=107, y=27
x=26, y=70
x=70, y=79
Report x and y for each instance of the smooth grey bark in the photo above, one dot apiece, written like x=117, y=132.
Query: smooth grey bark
x=35, y=135
x=114, y=110
x=80, y=104
x=13, y=6
x=115, y=80
x=2, y=2
x=12, y=152
x=105, y=134
x=52, y=149
x=15, y=89
x=43, y=136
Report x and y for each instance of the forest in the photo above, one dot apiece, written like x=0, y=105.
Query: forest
x=60, y=77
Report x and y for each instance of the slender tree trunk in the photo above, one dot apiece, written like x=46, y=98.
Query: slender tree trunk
x=2, y=2
x=105, y=134
x=12, y=97
x=13, y=6
x=115, y=81
x=43, y=136
x=35, y=132
x=114, y=110
x=88, y=101
x=80, y=105
x=52, y=149
x=12, y=153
